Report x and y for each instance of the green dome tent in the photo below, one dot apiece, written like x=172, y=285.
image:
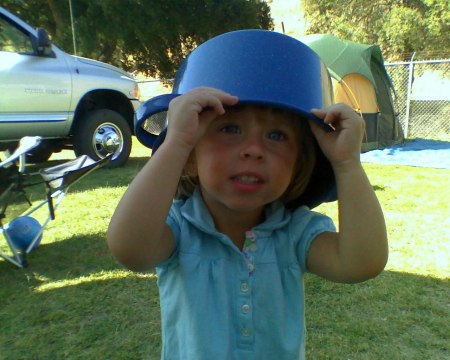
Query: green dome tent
x=361, y=81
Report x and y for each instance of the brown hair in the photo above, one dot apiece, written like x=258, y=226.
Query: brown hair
x=306, y=161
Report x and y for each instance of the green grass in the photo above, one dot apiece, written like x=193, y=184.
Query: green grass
x=74, y=301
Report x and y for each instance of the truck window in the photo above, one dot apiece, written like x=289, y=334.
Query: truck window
x=13, y=40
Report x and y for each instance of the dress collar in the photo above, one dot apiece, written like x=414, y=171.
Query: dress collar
x=195, y=211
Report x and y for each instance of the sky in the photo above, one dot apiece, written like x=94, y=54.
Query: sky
x=289, y=13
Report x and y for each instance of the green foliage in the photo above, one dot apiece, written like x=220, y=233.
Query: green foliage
x=150, y=36
x=400, y=27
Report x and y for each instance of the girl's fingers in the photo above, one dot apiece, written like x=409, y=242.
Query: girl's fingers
x=207, y=99
x=337, y=115
x=190, y=113
x=319, y=113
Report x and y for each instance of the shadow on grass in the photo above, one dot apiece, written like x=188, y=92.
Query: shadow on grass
x=67, y=259
x=378, y=187
x=74, y=301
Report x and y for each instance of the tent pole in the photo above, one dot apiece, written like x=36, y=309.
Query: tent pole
x=408, y=95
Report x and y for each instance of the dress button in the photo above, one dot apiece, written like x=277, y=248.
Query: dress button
x=245, y=332
x=245, y=308
x=244, y=287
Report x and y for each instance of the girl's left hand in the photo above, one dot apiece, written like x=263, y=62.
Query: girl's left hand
x=342, y=147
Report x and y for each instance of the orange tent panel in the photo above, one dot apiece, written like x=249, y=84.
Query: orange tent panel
x=358, y=92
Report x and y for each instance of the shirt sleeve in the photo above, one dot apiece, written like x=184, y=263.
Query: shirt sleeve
x=307, y=225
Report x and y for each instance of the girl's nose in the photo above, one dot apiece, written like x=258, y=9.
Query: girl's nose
x=252, y=148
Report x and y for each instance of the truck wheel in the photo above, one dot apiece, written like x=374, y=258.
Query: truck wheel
x=102, y=132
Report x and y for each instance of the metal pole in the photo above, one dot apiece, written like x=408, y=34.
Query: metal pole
x=73, y=28
x=408, y=95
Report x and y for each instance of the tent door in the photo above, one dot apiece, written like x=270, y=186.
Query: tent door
x=371, y=138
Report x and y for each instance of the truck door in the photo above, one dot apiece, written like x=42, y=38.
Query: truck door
x=35, y=90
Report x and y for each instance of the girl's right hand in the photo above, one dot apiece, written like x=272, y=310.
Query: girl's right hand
x=190, y=114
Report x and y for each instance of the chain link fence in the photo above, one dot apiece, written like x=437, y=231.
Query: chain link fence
x=422, y=98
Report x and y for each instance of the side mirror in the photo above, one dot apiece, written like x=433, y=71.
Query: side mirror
x=42, y=44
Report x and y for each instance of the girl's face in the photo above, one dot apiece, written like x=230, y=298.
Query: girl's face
x=246, y=159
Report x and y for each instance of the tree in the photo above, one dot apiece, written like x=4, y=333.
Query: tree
x=150, y=36
x=400, y=27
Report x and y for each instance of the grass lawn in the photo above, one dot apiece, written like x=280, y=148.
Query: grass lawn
x=75, y=302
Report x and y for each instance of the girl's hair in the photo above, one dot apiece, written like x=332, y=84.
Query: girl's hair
x=306, y=161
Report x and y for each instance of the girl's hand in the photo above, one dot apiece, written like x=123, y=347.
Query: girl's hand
x=342, y=147
x=190, y=114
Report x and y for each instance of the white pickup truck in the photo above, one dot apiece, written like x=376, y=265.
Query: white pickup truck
x=69, y=101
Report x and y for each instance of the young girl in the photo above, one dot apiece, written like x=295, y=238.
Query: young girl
x=231, y=250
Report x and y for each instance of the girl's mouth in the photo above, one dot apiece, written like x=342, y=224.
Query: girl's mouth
x=247, y=179
x=247, y=183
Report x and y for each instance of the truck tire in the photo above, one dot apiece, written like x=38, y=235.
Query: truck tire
x=101, y=132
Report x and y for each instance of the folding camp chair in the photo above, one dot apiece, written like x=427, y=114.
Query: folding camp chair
x=23, y=233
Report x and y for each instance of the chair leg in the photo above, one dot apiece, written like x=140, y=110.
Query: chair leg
x=17, y=257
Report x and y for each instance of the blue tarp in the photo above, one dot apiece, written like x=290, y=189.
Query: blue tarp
x=417, y=152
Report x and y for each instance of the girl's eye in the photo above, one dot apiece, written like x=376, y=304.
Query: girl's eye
x=276, y=135
x=231, y=129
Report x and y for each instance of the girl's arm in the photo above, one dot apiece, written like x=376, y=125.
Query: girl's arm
x=359, y=250
x=138, y=235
